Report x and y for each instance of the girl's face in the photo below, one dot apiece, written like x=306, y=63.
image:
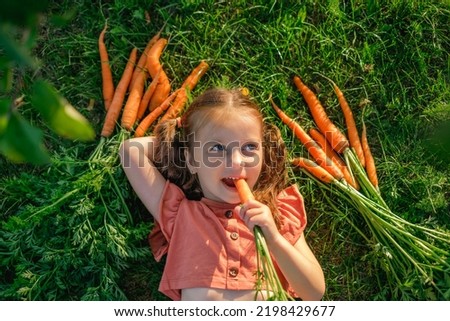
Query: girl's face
x=225, y=151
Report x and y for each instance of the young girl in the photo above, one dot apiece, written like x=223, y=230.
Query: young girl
x=185, y=175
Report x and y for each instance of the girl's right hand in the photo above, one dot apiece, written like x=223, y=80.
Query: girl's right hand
x=255, y=213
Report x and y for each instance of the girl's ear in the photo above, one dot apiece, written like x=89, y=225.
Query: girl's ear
x=189, y=162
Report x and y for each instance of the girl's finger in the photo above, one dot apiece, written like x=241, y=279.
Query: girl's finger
x=242, y=212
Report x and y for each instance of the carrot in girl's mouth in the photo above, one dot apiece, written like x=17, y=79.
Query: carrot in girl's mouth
x=244, y=191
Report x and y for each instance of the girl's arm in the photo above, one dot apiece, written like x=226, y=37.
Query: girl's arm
x=136, y=156
x=297, y=262
x=299, y=266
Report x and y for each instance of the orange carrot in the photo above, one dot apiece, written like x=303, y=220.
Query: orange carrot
x=352, y=131
x=142, y=62
x=154, y=66
x=244, y=191
x=370, y=162
x=153, y=115
x=116, y=105
x=189, y=83
x=337, y=140
x=195, y=75
x=177, y=106
x=313, y=148
x=161, y=92
x=314, y=169
x=107, y=78
x=131, y=108
x=323, y=143
x=147, y=96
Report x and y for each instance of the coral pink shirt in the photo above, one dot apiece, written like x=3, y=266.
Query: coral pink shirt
x=208, y=246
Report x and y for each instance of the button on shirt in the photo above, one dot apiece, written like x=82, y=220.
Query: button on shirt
x=208, y=246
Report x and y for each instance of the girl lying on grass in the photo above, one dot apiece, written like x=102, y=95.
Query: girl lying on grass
x=185, y=176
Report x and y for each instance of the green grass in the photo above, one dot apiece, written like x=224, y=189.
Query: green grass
x=392, y=57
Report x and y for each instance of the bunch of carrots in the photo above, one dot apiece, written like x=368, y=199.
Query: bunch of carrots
x=143, y=93
x=408, y=252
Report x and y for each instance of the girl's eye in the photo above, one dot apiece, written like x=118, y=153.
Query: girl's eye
x=216, y=148
x=250, y=147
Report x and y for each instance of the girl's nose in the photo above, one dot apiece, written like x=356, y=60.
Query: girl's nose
x=237, y=159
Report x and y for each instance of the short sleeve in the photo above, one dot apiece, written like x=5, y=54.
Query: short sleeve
x=160, y=236
x=292, y=213
x=292, y=223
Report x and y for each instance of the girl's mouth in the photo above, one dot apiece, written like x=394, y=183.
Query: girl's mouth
x=229, y=181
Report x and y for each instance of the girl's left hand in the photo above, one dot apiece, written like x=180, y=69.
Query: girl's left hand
x=255, y=213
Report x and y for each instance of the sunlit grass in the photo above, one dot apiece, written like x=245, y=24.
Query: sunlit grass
x=390, y=58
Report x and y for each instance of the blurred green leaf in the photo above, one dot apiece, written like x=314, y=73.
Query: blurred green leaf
x=21, y=12
x=20, y=142
x=6, y=80
x=4, y=114
x=60, y=115
x=15, y=51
